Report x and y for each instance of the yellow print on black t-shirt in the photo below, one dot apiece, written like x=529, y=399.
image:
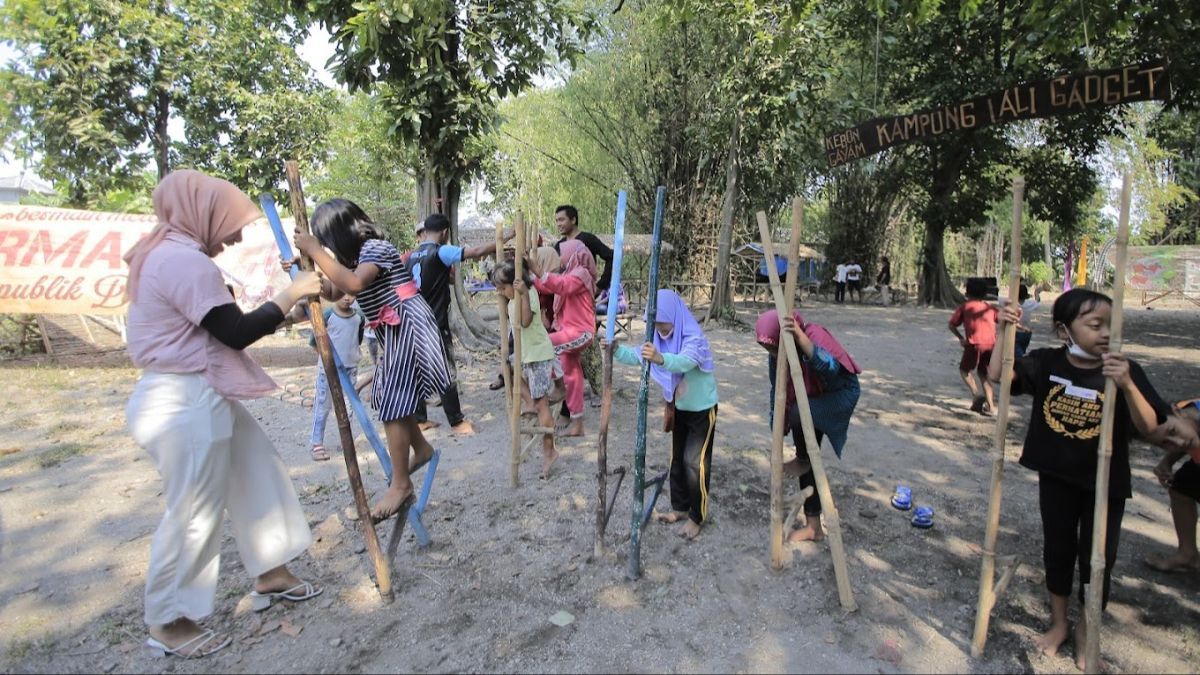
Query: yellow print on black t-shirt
x=1072, y=416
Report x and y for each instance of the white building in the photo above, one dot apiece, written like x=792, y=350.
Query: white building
x=16, y=183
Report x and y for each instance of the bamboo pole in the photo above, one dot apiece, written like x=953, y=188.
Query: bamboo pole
x=606, y=405
x=779, y=416
x=634, y=569
x=518, y=372
x=832, y=520
x=1095, y=592
x=383, y=573
x=502, y=309
x=987, y=572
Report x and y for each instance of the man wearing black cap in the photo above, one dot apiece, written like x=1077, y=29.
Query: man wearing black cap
x=432, y=263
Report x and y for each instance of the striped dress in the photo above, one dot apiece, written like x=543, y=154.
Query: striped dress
x=412, y=367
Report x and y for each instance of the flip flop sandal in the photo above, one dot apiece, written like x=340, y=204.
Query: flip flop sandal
x=498, y=384
x=298, y=593
x=923, y=518
x=319, y=453
x=902, y=498
x=201, y=649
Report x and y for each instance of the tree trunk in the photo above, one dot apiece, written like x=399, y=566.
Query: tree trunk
x=937, y=288
x=722, y=299
x=162, y=140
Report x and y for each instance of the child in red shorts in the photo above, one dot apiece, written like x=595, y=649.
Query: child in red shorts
x=977, y=316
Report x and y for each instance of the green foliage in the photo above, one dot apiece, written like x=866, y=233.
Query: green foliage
x=367, y=166
x=95, y=82
x=1036, y=272
x=442, y=67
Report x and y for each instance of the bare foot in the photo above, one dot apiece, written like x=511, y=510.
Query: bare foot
x=1176, y=562
x=669, y=517
x=419, y=460
x=810, y=532
x=463, y=428
x=794, y=467
x=428, y=424
x=1049, y=642
x=393, y=499
x=547, y=462
x=1081, y=648
x=690, y=530
x=575, y=428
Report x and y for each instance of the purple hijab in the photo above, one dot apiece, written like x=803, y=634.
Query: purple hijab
x=686, y=339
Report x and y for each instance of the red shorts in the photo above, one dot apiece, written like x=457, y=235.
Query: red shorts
x=975, y=358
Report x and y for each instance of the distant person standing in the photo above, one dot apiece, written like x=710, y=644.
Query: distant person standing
x=854, y=280
x=839, y=279
x=566, y=219
x=883, y=281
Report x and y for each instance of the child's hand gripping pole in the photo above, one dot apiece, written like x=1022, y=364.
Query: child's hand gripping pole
x=364, y=419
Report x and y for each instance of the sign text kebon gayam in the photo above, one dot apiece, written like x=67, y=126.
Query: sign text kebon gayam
x=1044, y=98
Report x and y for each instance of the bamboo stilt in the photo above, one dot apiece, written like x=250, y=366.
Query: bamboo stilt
x=832, y=520
x=987, y=573
x=634, y=569
x=779, y=415
x=518, y=371
x=502, y=309
x=383, y=572
x=606, y=405
x=1095, y=591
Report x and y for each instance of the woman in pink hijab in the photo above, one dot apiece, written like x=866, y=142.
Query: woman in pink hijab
x=574, y=319
x=187, y=334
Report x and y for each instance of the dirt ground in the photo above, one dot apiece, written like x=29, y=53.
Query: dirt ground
x=79, y=502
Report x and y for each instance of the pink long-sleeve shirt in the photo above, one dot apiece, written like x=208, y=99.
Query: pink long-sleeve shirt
x=578, y=312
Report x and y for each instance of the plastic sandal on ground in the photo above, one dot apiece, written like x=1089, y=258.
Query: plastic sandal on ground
x=201, y=649
x=298, y=593
x=923, y=518
x=902, y=498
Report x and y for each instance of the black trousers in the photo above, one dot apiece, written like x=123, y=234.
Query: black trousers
x=812, y=505
x=1067, y=512
x=839, y=294
x=691, y=461
x=450, y=403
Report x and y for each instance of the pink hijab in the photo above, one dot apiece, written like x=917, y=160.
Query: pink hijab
x=768, y=331
x=578, y=262
x=204, y=209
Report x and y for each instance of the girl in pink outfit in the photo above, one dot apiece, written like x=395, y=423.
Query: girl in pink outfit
x=574, y=320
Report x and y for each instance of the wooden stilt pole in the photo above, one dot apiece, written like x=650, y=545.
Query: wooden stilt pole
x=1095, y=591
x=606, y=405
x=830, y=513
x=518, y=372
x=987, y=573
x=383, y=572
x=634, y=569
x=502, y=309
x=779, y=416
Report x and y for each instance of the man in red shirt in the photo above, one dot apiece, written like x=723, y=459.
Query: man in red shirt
x=977, y=316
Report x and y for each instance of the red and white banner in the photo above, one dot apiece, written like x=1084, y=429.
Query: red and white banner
x=63, y=261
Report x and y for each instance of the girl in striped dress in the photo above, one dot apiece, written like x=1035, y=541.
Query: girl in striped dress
x=831, y=382
x=412, y=367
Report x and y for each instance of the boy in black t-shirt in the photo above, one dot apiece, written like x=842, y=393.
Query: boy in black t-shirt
x=1183, y=486
x=1067, y=385
x=432, y=263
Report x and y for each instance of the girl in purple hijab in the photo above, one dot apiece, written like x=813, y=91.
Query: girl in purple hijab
x=681, y=363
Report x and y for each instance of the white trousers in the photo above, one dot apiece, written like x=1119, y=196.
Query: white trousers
x=213, y=456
